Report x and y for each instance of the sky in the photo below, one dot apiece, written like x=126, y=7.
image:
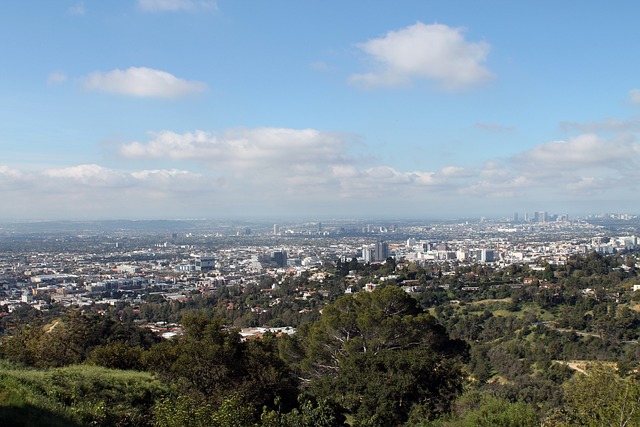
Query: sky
x=181, y=109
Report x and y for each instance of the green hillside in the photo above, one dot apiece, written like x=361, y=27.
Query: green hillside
x=76, y=396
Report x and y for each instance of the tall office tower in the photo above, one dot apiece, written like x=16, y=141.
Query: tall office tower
x=486, y=255
x=381, y=251
x=319, y=227
x=368, y=254
x=280, y=258
x=204, y=263
x=541, y=216
x=276, y=229
x=515, y=217
x=526, y=217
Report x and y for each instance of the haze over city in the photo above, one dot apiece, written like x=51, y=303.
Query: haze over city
x=207, y=109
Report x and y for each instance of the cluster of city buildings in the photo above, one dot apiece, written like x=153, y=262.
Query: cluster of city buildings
x=122, y=271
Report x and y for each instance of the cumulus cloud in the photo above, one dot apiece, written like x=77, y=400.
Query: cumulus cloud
x=587, y=164
x=11, y=179
x=96, y=176
x=175, y=5
x=586, y=150
x=300, y=163
x=435, y=52
x=308, y=162
x=246, y=170
x=455, y=171
x=244, y=148
x=142, y=82
x=90, y=190
x=6, y=171
x=89, y=175
x=590, y=185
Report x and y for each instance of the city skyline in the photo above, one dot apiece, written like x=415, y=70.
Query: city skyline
x=148, y=109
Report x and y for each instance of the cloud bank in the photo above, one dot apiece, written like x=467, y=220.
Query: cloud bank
x=264, y=171
x=244, y=148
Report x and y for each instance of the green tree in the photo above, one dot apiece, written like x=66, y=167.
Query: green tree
x=214, y=364
x=186, y=411
x=600, y=397
x=384, y=357
x=477, y=409
x=117, y=355
x=323, y=413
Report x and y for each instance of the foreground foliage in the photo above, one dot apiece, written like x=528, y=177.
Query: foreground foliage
x=495, y=355
x=77, y=395
x=380, y=357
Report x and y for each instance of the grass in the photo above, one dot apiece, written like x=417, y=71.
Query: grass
x=76, y=396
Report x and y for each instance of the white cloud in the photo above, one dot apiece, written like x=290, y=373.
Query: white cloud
x=6, y=171
x=142, y=82
x=88, y=175
x=278, y=170
x=586, y=150
x=586, y=164
x=589, y=185
x=269, y=162
x=11, y=179
x=176, y=5
x=455, y=171
x=435, y=52
x=56, y=78
x=96, y=176
x=303, y=162
x=245, y=149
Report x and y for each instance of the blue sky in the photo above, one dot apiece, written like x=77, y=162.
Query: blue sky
x=222, y=109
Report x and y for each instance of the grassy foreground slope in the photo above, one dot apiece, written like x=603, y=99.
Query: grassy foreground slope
x=76, y=396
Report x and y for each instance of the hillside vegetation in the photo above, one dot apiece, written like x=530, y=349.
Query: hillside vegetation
x=478, y=348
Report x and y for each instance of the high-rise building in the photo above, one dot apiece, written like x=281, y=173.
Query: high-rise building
x=280, y=258
x=376, y=253
x=483, y=255
x=515, y=217
x=368, y=254
x=276, y=229
x=541, y=216
x=382, y=251
x=486, y=255
x=204, y=263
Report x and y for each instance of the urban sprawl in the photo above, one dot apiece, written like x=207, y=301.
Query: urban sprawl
x=123, y=262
